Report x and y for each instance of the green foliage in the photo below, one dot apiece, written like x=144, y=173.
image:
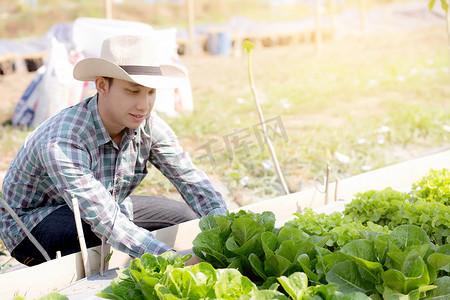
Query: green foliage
x=105, y=259
x=227, y=241
x=296, y=286
x=51, y=296
x=339, y=229
x=442, y=290
x=396, y=263
x=380, y=207
x=386, y=244
x=248, y=46
x=444, y=5
x=366, y=95
x=316, y=224
x=139, y=280
x=350, y=255
x=166, y=277
x=426, y=206
x=435, y=187
x=402, y=262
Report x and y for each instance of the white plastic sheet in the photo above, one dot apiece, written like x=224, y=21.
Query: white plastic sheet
x=54, y=87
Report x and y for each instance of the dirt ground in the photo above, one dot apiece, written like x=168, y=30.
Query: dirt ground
x=216, y=70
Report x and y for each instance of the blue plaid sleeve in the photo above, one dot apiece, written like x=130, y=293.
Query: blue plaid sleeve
x=68, y=165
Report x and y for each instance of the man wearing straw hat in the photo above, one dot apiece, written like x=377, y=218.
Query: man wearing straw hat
x=97, y=151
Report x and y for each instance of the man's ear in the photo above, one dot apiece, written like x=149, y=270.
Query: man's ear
x=101, y=84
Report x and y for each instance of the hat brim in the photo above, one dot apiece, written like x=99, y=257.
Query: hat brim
x=89, y=68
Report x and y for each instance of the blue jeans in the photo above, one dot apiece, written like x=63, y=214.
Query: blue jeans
x=57, y=231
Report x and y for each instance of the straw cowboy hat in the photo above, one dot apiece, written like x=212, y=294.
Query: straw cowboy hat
x=130, y=58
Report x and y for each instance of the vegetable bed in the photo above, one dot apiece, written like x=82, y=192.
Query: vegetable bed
x=385, y=245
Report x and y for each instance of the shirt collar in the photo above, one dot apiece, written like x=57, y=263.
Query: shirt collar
x=103, y=136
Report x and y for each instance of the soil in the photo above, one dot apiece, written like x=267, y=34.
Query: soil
x=216, y=70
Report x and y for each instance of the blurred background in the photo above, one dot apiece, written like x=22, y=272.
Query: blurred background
x=346, y=86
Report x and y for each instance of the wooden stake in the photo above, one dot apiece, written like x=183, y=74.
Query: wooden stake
x=333, y=10
x=24, y=228
x=327, y=184
x=191, y=25
x=108, y=9
x=448, y=30
x=318, y=25
x=102, y=256
x=84, y=255
x=336, y=190
x=264, y=127
x=363, y=9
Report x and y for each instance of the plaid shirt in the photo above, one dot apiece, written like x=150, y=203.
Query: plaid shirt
x=72, y=153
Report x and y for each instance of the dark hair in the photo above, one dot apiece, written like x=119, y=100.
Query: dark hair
x=110, y=81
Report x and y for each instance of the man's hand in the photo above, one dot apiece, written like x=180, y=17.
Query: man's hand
x=193, y=261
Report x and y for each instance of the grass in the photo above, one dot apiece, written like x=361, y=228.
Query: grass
x=24, y=21
x=361, y=105
x=19, y=20
x=10, y=141
x=376, y=113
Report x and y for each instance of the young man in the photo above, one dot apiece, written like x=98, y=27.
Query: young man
x=97, y=151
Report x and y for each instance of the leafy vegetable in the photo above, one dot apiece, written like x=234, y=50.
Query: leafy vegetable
x=338, y=228
x=426, y=206
x=138, y=281
x=51, y=296
x=165, y=277
x=227, y=241
x=385, y=245
x=434, y=187
x=442, y=290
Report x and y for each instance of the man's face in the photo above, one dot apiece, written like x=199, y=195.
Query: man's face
x=124, y=104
